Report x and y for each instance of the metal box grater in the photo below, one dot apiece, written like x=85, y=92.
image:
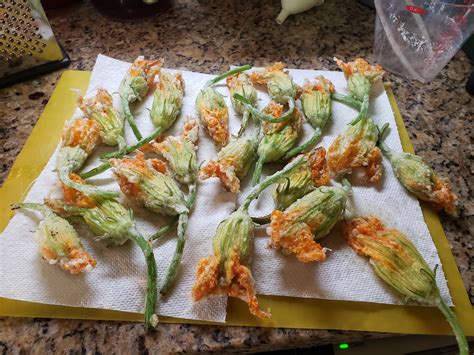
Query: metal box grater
x=27, y=44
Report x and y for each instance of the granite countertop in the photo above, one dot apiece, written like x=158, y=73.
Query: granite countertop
x=208, y=36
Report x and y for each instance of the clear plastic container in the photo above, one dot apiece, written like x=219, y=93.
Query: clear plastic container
x=416, y=38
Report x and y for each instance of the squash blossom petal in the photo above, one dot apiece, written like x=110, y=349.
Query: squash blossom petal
x=180, y=152
x=167, y=100
x=214, y=115
x=233, y=163
x=139, y=79
x=83, y=133
x=309, y=218
x=422, y=181
x=70, y=159
x=227, y=271
x=314, y=173
x=280, y=85
x=135, y=85
x=241, y=84
x=80, y=137
x=397, y=262
x=360, y=76
x=316, y=101
x=278, y=138
x=146, y=182
x=357, y=147
x=59, y=241
x=100, y=109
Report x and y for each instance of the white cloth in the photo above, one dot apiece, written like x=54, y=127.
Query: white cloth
x=119, y=280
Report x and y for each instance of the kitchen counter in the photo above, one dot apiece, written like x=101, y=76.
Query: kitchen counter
x=208, y=36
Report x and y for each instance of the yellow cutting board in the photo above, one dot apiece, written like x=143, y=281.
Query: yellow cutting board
x=287, y=312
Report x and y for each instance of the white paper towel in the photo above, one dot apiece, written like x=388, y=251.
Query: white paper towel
x=119, y=280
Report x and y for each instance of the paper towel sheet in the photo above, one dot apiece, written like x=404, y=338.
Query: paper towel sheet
x=119, y=280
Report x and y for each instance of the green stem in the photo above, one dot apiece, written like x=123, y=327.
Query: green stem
x=96, y=171
x=178, y=253
x=257, y=190
x=162, y=231
x=245, y=120
x=122, y=144
x=263, y=117
x=228, y=73
x=105, y=166
x=129, y=118
x=386, y=150
x=117, y=154
x=382, y=131
x=191, y=198
x=364, y=108
x=346, y=99
x=346, y=185
x=151, y=319
x=305, y=146
x=43, y=209
x=454, y=323
x=87, y=190
x=258, y=171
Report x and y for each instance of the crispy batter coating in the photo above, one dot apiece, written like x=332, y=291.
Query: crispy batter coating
x=294, y=237
x=72, y=197
x=224, y=171
x=319, y=167
x=262, y=77
x=237, y=282
x=352, y=151
x=81, y=132
x=321, y=84
x=216, y=123
x=146, y=68
x=139, y=163
x=372, y=72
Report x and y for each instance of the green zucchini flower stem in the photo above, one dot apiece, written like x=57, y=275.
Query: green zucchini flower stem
x=228, y=73
x=346, y=99
x=163, y=231
x=151, y=319
x=120, y=153
x=346, y=185
x=257, y=190
x=381, y=144
x=245, y=119
x=305, y=146
x=258, y=170
x=178, y=253
x=129, y=117
x=87, y=190
x=263, y=117
x=364, y=108
x=454, y=323
x=44, y=210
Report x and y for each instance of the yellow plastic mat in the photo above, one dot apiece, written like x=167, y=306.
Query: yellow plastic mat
x=287, y=312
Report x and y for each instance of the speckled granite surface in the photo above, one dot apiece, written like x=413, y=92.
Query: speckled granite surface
x=208, y=36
